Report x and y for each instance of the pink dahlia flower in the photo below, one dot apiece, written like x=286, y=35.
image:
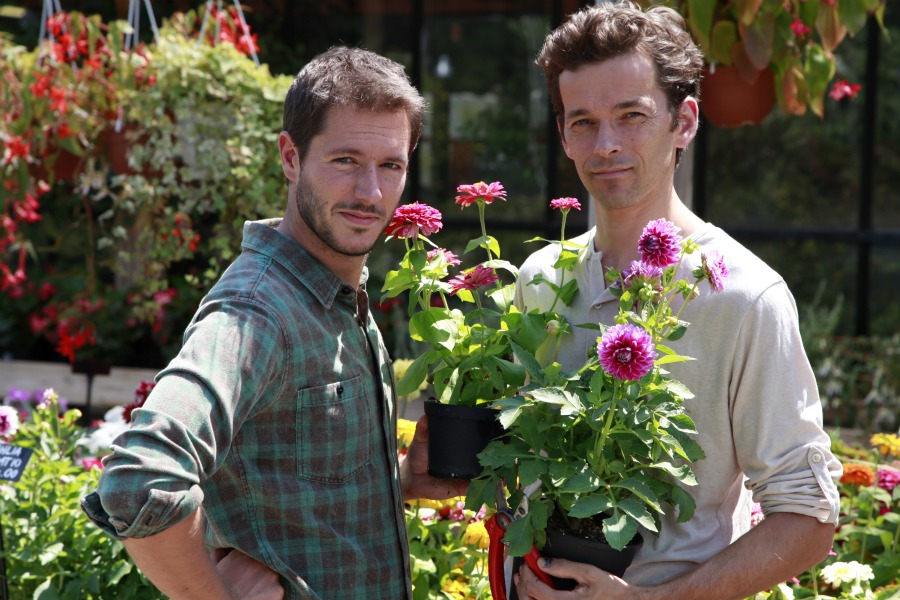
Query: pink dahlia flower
x=714, y=270
x=471, y=193
x=640, y=273
x=449, y=257
x=660, y=244
x=565, y=204
x=626, y=352
x=472, y=279
x=410, y=220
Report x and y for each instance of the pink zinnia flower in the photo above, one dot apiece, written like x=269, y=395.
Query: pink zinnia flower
x=660, y=244
x=471, y=193
x=449, y=257
x=714, y=270
x=888, y=478
x=626, y=352
x=756, y=514
x=9, y=421
x=90, y=463
x=472, y=279
x=410, y=220
x=565, y=204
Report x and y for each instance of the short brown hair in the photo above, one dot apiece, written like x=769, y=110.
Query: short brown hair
x=350, y=77
x=598, y=33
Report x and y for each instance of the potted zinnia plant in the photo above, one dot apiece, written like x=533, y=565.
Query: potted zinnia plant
x=470, y=357
x=597, y=451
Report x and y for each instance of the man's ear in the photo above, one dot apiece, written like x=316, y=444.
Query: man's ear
x=290, y=157
x=560, y=127
x=688, y=122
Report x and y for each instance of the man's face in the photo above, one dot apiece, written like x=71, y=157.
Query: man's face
x=351, y=178
x=618, y=131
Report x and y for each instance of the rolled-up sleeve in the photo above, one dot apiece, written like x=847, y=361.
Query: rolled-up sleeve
x=777, y=416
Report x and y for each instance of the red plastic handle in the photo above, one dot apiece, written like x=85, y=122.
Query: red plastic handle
x=496, y=574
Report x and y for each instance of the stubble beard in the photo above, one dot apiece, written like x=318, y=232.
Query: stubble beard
x=309, y=205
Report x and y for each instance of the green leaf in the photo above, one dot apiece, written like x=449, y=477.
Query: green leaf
x=584, y=481
x=619, y=529
x=684, y=502
x=700, y=18
x=638, y=512
x=589, y=505
x=641, y=490
x=45, y=591
x=682, y=473
x=568, y=401
x=51, y=553
x=487, y=242
x=503, y=297
x=415, y=375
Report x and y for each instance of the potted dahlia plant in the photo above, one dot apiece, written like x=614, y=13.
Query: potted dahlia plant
x=469, y=324
x=599, y=450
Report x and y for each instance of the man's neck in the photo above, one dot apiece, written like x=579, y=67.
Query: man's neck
x=618, y=230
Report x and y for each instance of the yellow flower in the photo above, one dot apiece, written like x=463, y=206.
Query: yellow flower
x=887, y=443
x=456, y=588
x=406, y=429
x=439, y=504
x=476, y=535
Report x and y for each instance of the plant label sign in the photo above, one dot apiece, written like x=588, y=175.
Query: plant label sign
x=12, y=461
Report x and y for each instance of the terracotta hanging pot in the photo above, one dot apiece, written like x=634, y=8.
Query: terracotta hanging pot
x=728, y=99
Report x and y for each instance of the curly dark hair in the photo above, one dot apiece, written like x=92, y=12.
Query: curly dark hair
x=352, y=77
x=598, y=33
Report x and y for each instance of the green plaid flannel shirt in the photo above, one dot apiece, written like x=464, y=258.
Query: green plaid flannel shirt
x=278, y=418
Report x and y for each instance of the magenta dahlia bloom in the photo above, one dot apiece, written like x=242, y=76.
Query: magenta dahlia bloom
x=472, y=279
x=410, y=220
x=449, y=257
x=9, y=421
x=626, y=352
x=640, y=273
x=714, y=270
x=471, y=193
x=660, y=244
x=565, y=204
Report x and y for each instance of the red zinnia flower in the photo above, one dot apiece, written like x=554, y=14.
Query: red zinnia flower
x=472, y=279
x=488, y=192
x=660, y=244
x=626, y=352
x=410, y=220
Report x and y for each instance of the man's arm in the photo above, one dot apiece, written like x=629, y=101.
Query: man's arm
x=780, y=547
x=175, y=560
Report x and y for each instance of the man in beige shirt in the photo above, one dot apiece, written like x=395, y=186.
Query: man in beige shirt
x=624, y=84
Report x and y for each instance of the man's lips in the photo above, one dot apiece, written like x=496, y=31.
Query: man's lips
x=361, y=218
x=608, y=173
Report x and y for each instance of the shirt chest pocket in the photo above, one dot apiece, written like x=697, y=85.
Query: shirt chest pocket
x=336, y=431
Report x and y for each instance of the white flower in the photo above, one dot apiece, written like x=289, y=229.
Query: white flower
x=839, y=573
x=9, y=421
x=99, y=441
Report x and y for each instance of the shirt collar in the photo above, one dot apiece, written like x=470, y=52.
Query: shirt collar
x=263, y=237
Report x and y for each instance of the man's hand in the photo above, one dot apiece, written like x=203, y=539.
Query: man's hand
x=592, y=582
x=415, y=480
x=247, y=578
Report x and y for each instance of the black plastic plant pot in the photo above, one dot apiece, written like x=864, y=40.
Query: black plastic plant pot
x=456, y=434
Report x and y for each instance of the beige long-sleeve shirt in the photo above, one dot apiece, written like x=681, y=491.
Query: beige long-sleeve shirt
x=756, y=404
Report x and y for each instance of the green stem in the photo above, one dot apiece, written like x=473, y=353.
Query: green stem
x=598, y=446
x=562, y=239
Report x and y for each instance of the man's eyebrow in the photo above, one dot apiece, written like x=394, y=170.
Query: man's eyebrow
x=634, y=103
x=350, y=151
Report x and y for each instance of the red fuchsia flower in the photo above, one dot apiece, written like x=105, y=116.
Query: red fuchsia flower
x=410, y=220
x=714, y=270
x=888, y=478
x=16, y=147
x=626, y=352
x=449, y=257
x=486, y=192
x=140, y=397
x=843, y=89
x=565, y=204
x=660, y=244
x=472, y=279
x=800, y=29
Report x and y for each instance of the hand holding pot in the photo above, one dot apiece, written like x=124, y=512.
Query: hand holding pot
x=416, y=481
x=593, y=583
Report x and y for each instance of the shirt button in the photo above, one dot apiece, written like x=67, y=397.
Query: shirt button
x=346, y=289
x=816, y=458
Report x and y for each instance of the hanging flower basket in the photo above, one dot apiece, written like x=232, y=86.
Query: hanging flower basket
x=728, y=99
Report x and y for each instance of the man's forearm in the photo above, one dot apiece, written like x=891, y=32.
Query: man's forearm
x=176, y=561
x=782, y=546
